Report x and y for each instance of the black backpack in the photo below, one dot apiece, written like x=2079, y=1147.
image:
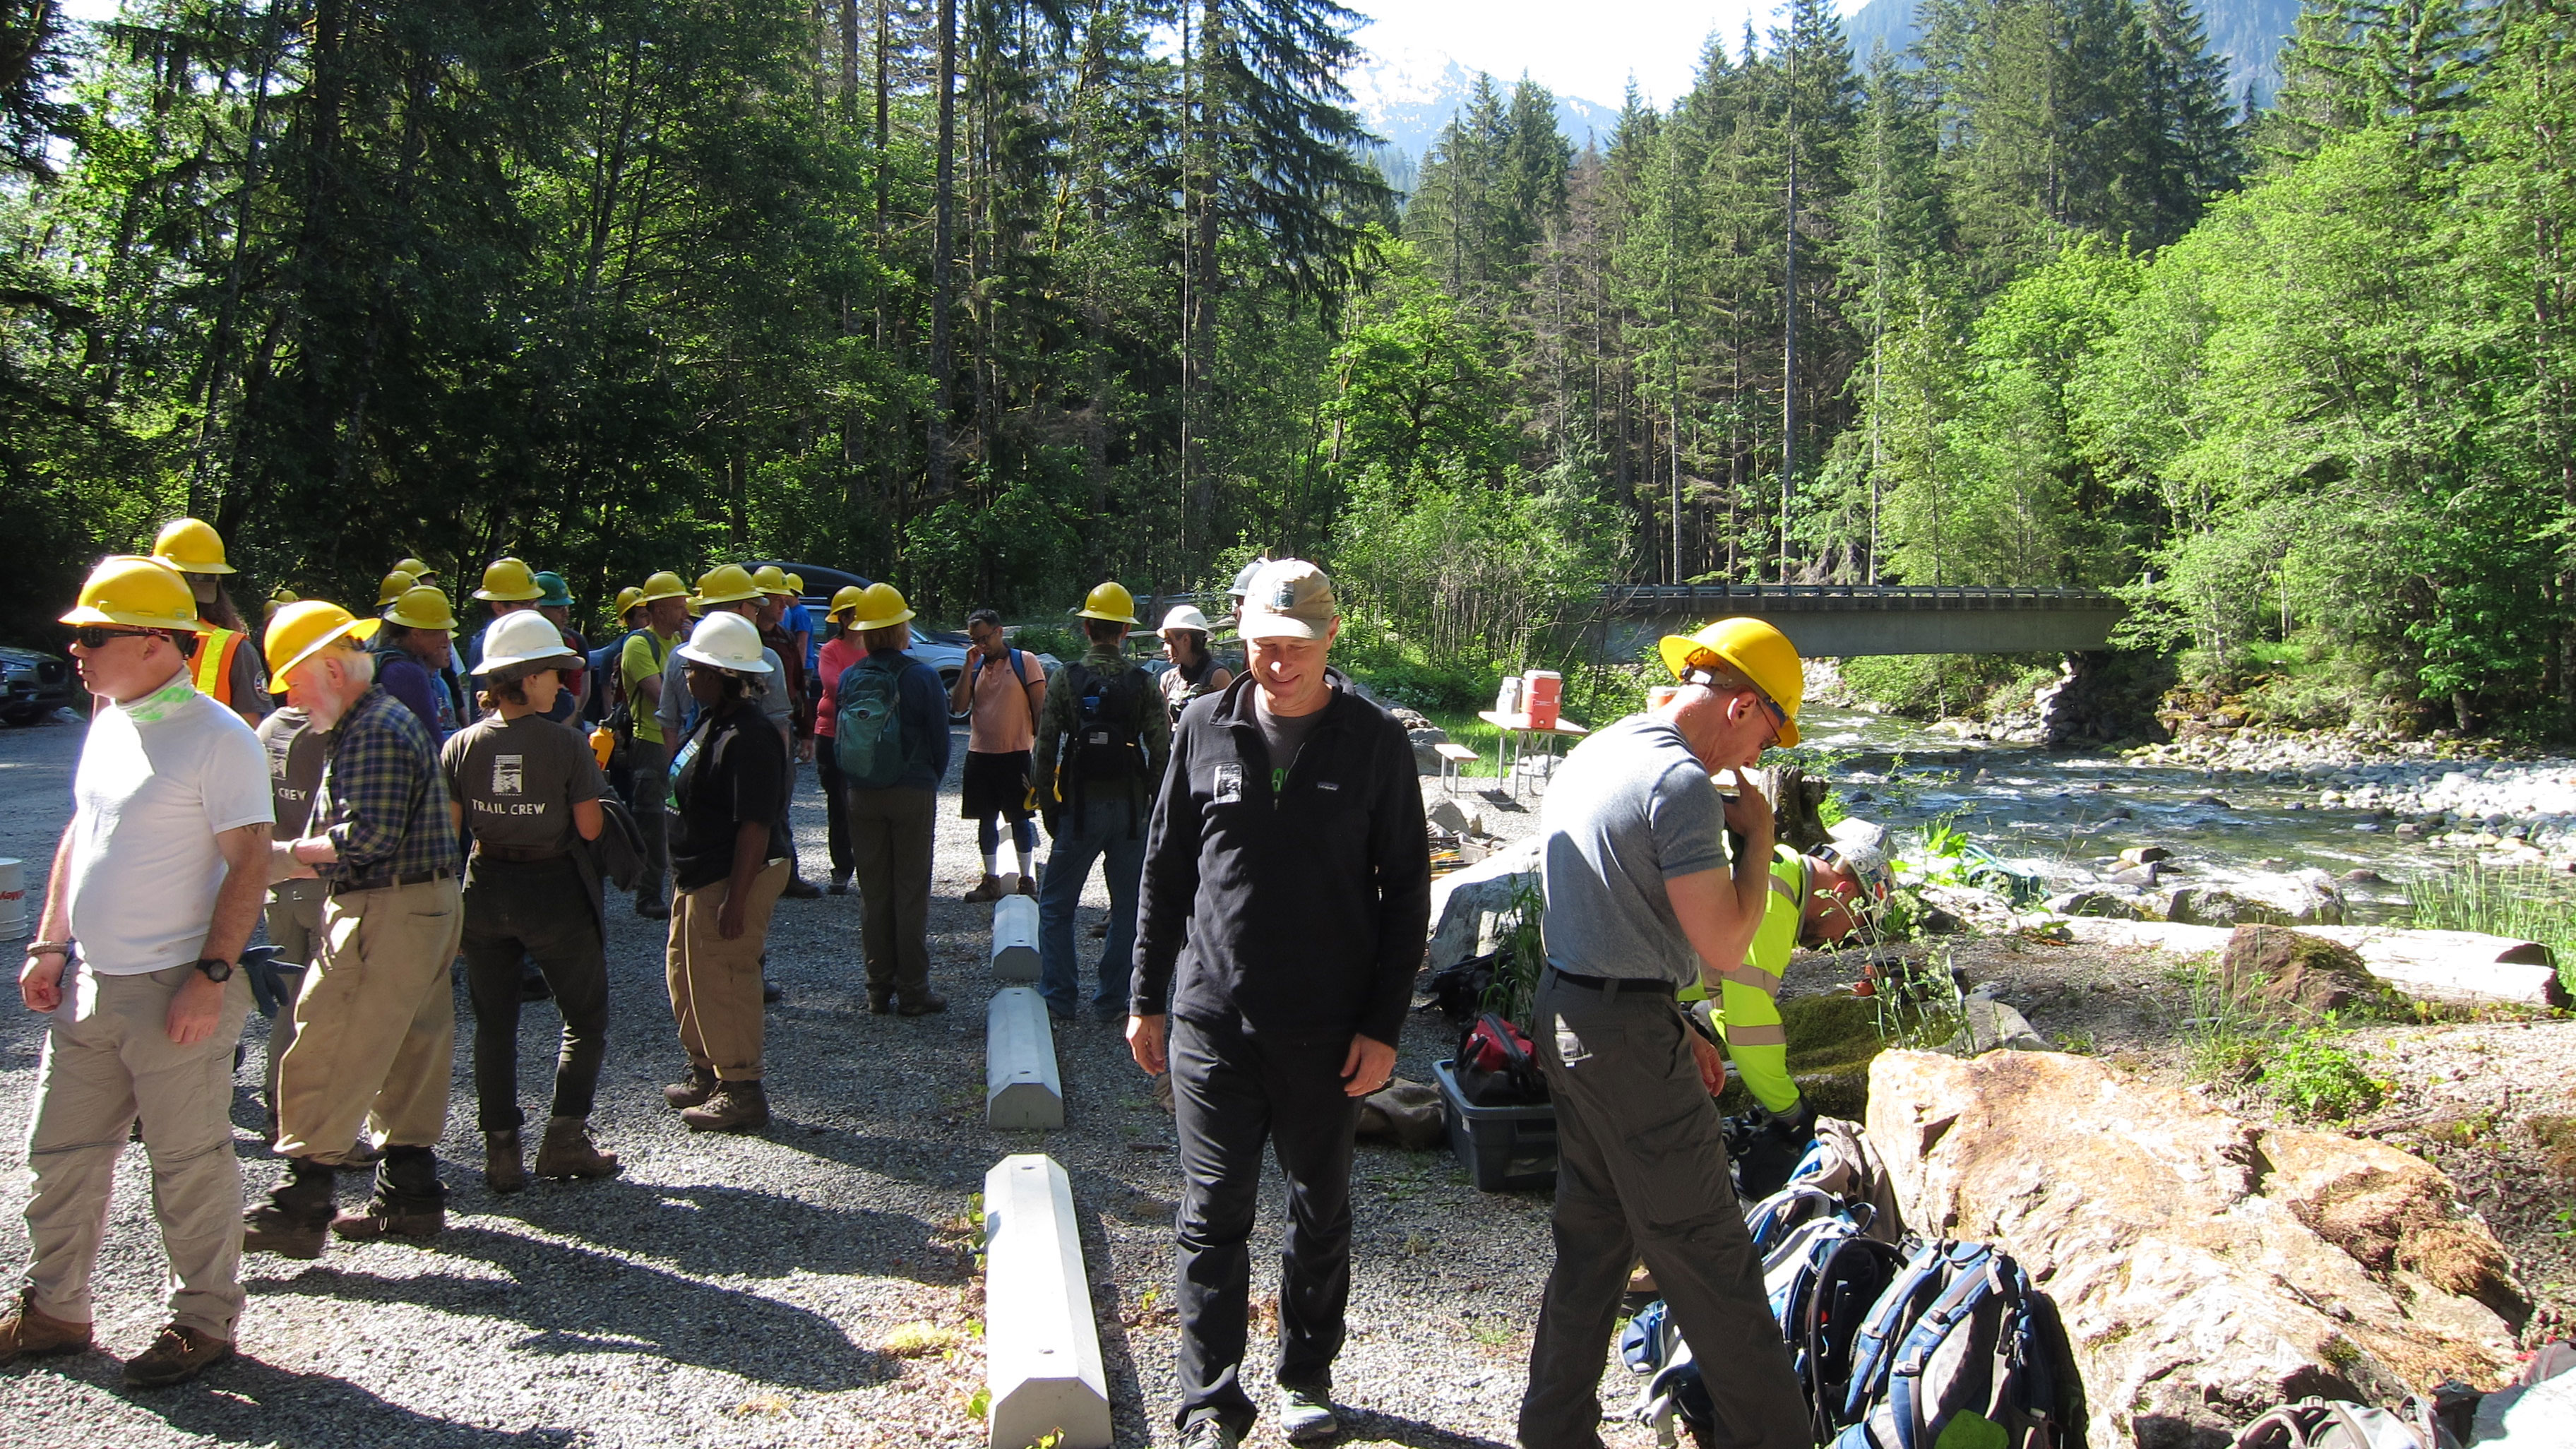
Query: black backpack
x=1105, y=741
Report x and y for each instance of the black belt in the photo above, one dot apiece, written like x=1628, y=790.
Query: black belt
x=518, y=855
x=1614, y=985
x=388, y=882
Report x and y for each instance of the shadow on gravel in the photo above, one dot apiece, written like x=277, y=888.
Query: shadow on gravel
x=246, y=1401
x=947, y=1166
x=1390, y=1429
x=579, y=1301
x=714, y=1230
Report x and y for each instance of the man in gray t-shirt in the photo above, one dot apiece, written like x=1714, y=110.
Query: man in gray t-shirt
x=1642, y=898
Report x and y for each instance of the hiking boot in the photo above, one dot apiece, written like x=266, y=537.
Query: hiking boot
x=27, y=1331
x=409, y=1200
x=297, y=1216
x=880, y=1003
x=840, y=885
x=362, y=1156
x=987, y=889
x=652, y=910
x=1209, y=1434
x=1028, y=885
x=1306, y=1415
x=800, y=889
x=700, y=1085
x=770, y=995
x=502, y=1169
x=178, y=1355
x=921, y=1003
x=735, y=1107
x=567, y=1151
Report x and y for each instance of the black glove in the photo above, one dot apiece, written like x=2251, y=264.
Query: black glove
x=1771, y=1145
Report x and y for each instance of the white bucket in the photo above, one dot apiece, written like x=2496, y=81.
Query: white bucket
x=13, y=898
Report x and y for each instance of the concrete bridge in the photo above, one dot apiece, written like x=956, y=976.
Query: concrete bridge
x=1836, y=621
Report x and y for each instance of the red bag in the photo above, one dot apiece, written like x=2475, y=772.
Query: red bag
x=1497, y=1066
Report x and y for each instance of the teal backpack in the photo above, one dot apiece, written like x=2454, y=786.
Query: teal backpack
x=868, y=742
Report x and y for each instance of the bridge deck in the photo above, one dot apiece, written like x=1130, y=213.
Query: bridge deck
x=1841, y=620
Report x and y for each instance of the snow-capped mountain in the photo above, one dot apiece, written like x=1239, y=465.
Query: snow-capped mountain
x=1406, y=96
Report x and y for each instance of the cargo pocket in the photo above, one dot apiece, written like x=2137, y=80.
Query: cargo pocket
x=1680, y=1170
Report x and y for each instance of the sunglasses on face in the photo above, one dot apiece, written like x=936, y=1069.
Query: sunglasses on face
x=96, y=636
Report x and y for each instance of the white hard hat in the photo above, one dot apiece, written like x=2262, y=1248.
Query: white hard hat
x=1184, y=616
x=727, y=641
x=521, y=638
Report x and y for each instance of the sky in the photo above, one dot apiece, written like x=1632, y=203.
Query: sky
x=1585, y=48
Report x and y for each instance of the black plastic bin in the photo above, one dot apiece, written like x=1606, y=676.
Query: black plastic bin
x=1505, y=1149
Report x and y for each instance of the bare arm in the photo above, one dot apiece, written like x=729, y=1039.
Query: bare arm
x=587, y=818
x=1719, y=911
x=197, y=1007
x=963, y=688
x=40, y=980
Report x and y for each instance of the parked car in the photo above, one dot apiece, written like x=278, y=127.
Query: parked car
x=34, y=685
x=945, y=651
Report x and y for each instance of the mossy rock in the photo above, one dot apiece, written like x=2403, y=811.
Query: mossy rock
x=1832, y=1040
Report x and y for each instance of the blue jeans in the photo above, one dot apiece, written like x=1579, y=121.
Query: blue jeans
x=1111, y=828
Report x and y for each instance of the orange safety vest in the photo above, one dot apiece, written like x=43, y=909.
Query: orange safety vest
x=215, y=651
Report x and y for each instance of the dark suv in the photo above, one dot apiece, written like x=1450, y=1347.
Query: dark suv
x=34, y=685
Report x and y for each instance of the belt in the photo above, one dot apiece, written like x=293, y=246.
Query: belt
x=517, y=855
x=1613, y=985
x=388, y=882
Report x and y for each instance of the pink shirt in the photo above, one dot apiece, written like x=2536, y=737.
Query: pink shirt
x=1004, y=721
x=839, y=653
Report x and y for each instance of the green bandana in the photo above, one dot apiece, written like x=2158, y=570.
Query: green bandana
x=159, y=703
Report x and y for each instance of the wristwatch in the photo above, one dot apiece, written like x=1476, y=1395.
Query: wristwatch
x=216, y=968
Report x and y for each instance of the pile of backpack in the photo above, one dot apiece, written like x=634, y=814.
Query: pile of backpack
x=1906, y=1343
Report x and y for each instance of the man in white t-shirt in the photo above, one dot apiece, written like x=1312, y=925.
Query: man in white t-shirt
x=160, y=877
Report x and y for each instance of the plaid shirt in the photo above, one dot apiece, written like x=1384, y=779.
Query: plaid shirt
x=382, y=800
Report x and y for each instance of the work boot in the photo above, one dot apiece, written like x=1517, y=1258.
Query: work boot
x=800, y=889
x=880, y=1001
x=987, y=889
x=363, y=1155
x=1306, y=1415
x=409, y=1200
x=652, y=910
x=840, y=885
x=502, y=1169
x=27, y=1331
x=700, y=1085
x=178, y=1355
x=297, y=1216
x=920, y=1003
x=1028, y=885
x=735, y=1107
x=567, y=1151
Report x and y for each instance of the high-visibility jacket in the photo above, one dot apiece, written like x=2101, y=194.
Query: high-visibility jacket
x=1747, y=1014
x=216, y=648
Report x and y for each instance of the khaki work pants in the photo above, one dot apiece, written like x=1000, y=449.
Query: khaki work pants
x=375, y=1025
x=295, y=928
x=715, y=983
x=108, y=1055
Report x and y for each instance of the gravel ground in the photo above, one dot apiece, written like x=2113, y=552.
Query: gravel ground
x=744, y=1291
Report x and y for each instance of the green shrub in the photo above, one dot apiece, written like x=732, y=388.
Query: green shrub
x=1930, y=686
x=2316, y=1078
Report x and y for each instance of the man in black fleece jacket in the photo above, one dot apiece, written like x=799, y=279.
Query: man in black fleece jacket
x=1287, y=890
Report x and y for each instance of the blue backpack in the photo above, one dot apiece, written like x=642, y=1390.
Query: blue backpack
x=1961, y=1348
x=868, y=739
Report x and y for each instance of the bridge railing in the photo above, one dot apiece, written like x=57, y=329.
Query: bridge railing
x=1753, y=598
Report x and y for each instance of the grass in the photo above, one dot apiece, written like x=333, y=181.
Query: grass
x=2522, y=902
x=2306, y=1071
x=1464, y=728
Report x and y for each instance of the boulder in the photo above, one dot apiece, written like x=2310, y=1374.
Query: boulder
x=2093, y=903
x=1454, y=818
x=2142, y=877
x=1472, y=908
x=1992, y=1026
x=2209, y=906
x=2144, y=855
x=2205, y=1269
x=2292, y=973
x=1426, y=758
x=2461, y=966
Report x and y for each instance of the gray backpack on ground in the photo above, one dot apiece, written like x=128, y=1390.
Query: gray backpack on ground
x=2335, y=1424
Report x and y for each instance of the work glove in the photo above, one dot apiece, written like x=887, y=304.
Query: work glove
x=1767, y=1147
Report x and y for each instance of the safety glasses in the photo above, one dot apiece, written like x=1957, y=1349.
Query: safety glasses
x=96, y=636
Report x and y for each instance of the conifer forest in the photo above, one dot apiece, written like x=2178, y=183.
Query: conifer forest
x=995, y=298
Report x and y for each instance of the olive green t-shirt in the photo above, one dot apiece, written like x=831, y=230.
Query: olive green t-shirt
x=643, y=658
x=519, y=780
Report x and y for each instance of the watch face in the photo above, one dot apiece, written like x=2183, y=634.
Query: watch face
x=216, y=969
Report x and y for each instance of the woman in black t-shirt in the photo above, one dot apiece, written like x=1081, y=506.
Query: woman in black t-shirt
x=729, y=862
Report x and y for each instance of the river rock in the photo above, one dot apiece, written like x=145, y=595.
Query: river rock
x=1455, y=818
x=2205, y=1269
x=2094, y=903
x=1471, y=908
x=2142, y=877
x=2144, y=855
x=2291, y=973
x=1993, y=1026
x=2209, y=906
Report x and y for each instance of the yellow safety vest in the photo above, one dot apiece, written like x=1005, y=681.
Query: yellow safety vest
x=1748, y=1006
x=215, y=649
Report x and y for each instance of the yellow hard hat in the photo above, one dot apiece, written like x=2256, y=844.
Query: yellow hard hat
x=770, y=579
x=1111, y=602
x=191, y=547
x=796, y=584
x=422, y=607
x=844, y=599
x=140, y=593
x=508, y=581
x=883, y=606
x=629, y=599
x=396, y=584
x=664, y=585
x=1757, y=651
x=281, y=595
x=302, y=629
x=416, y=569
x=726, y=584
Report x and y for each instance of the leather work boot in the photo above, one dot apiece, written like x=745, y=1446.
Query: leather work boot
x=735, y=1107
x=297, y=1216
x=987, y=889
x=409, y=1200
x=27, y=1331
x=567, y=1151
x=798, y=888
x=840, y=885
x=700, y=1085
x=178, y=1355
x=921, y=1003
x=880, y=1001
x=502, y=1170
